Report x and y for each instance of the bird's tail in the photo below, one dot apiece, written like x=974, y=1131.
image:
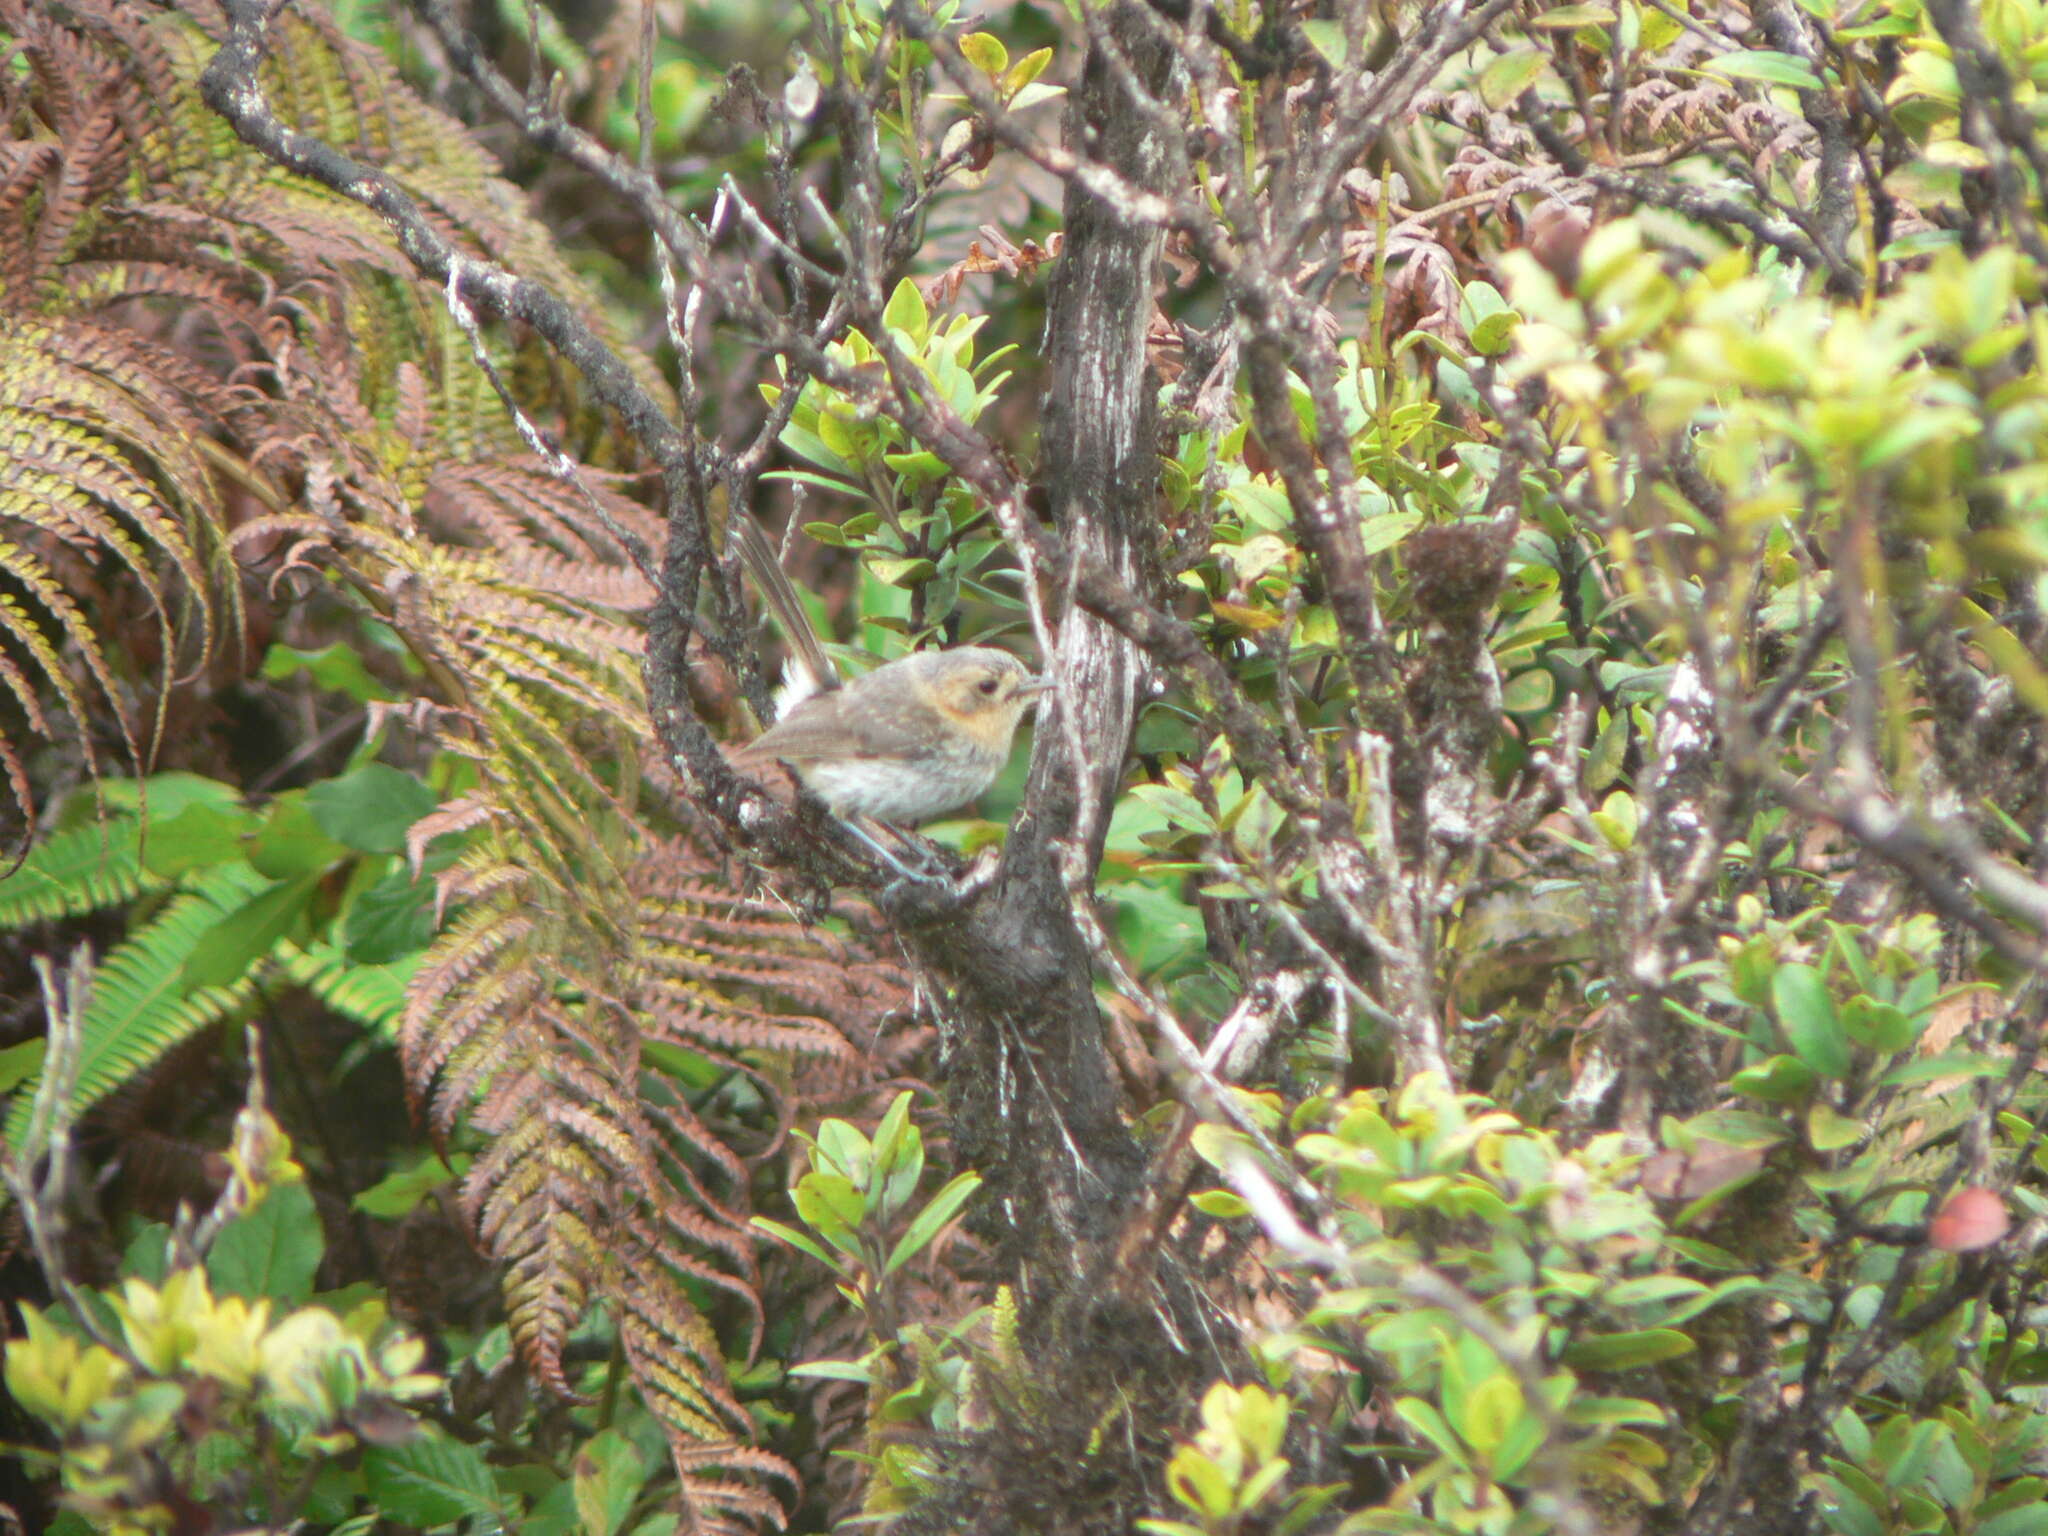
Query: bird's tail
x=807, y=652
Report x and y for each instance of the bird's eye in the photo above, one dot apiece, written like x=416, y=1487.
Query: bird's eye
x=987, y=685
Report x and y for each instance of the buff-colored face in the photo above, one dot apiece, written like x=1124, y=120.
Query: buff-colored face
x=985, y=688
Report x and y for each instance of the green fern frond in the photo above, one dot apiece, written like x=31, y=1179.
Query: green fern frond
x=141, y=1005
x=372, y=995
x=96, y=860
x=83, y=869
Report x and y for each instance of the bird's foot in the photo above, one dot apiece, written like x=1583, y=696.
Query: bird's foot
x=931, y=871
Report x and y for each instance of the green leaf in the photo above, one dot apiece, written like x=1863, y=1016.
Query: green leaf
x=1878, y=1026
x=797, y=1240
x=608, y=1477
x=1806, y=1013
x=1775, y=1080
x=197, y=836
x=1929, y=1069
x=1609, y=752
x=944, y=1206
x=1032, y=94
x=402, y=1193
x=1527, y=692
x=432, y=1480
x=1769, y=67
x=840, y=1148
x=1491, y=336
x=392, y=919
x=691, y=1068
x=1738, y=1128
x=19, y=1063
x=807, y=444
x=1201, y=1484
x=1618, y=820
x=147, y=1256
x=1614, y=1411
x=250, y=932
x=986, y=53
x=1626, y=1351
x=1829, y=1131
x=834, y=1370
x=1660, y=31
x=1647, y=1290
x=1327, y=38
x=370, y=809
x=1219, y=1203
x=920, y=466
x=273, y=1249
x=2027, y=1520
x=1026, y=70
x=899, y=572
x=1424, y=1417
x=906, y=310
x=1508, y=75
x=899, y=1161
x=290, y=842
x=1386, y=529
x=1216, y=1145
x=337, y=668
x=832, y=1207
x=1844, y=1511
x=1490, y=1411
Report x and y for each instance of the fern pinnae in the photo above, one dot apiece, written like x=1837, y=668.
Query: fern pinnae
x=81, y=869
x=17, y=684
x=372, y=995
x=15, y=621
x=539, y=667
x=464, y=949
x=430, y=1042
x=737, y=1026
x=67, y=199
x=619, y=588
x=34, y=576
x=646, y=1283
x=141, y=1005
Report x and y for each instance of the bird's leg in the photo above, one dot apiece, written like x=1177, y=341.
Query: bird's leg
x=853, y=825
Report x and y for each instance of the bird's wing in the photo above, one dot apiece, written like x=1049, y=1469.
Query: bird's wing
x=832, y=725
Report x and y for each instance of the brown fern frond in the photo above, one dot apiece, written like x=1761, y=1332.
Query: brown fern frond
x=620, y=588
x=533, y=1198
x=707, y=1430
x=521, y=507
x=24, y=168
x=185, y=293
x=312, y=229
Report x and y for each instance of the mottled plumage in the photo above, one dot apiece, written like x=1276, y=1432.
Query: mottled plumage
x=909, y=741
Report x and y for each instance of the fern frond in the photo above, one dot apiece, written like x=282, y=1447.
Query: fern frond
x=707, y=1429
x=538, y=1201
x=337, y=391
x=141, y=1004
x=372, y=995
x=84, y=869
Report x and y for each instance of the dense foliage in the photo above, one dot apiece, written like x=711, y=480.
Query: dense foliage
x=1510, y=998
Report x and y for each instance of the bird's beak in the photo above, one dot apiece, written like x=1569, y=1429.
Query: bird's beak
x=1032, y=685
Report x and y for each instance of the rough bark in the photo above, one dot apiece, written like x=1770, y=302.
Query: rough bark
x=1031, y=1086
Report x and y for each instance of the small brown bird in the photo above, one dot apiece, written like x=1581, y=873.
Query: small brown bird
x=911, y=740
